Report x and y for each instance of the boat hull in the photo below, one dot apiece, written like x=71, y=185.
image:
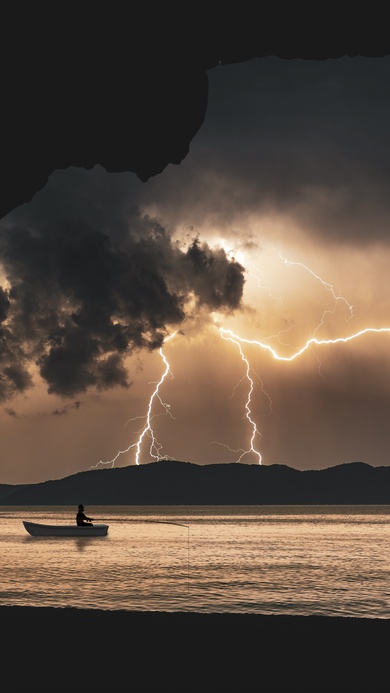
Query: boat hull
x=42, y=530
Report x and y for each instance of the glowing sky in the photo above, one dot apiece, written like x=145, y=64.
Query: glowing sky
x=275, y=227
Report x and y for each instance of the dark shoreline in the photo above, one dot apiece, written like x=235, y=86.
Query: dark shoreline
x=60, y=650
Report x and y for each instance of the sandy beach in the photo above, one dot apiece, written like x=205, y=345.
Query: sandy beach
x=57, y=650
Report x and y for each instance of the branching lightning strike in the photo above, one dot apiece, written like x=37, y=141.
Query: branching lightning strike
x=337, y=297
x=255, y=432
x=250, y=375
x=313, y=340
x=229, y=335
x=147, y=431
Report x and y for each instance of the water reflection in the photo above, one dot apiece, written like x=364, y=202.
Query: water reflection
x=292, y=560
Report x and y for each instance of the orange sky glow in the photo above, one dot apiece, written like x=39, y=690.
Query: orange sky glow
x=299, y=373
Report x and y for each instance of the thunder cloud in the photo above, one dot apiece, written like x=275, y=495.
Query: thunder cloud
x=79, y=296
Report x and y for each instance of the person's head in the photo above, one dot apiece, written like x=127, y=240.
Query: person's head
x=81, y=507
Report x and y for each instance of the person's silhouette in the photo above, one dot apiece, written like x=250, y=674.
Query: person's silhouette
x=81, y=519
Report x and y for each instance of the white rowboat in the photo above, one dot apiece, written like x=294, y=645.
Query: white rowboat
x=39, y=530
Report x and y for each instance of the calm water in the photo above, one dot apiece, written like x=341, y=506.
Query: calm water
x=327, y=560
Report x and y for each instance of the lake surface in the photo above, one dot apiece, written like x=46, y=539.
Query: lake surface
x=294, y=560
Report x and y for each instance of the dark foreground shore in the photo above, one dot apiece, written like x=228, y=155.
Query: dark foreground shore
x=66, y=650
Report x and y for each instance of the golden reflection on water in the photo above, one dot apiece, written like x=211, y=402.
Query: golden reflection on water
x=280, y=559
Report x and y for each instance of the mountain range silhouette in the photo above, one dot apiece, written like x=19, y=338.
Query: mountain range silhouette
x=168, y=482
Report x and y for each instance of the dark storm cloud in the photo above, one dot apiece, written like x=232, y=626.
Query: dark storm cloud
x=227, y=282
x=91, y=278
x=315, y=141
x=306, y=139
x=85, y=292
x=4, y=305
x=66, y=409
x=14, y=377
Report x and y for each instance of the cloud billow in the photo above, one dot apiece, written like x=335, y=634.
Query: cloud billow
x=80, y=299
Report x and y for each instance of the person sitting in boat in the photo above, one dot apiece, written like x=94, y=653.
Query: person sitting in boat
x=81, y=519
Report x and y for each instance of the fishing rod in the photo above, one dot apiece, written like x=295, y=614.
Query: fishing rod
x=162, y=522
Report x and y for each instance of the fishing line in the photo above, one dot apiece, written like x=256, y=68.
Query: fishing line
x=161, y=522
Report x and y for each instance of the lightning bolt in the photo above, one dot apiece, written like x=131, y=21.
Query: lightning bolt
x=226, y=334
x=147, y=431
x=248, y=413
x=328, y=287
x=238, y=341
x=250, y=375
x=261, y=282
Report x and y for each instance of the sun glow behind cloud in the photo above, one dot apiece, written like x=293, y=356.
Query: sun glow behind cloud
x=293, y=323
x=202, y=415
x=283, y=185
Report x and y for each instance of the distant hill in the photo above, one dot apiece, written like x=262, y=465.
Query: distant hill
x=184, y=483
x=6, y=489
